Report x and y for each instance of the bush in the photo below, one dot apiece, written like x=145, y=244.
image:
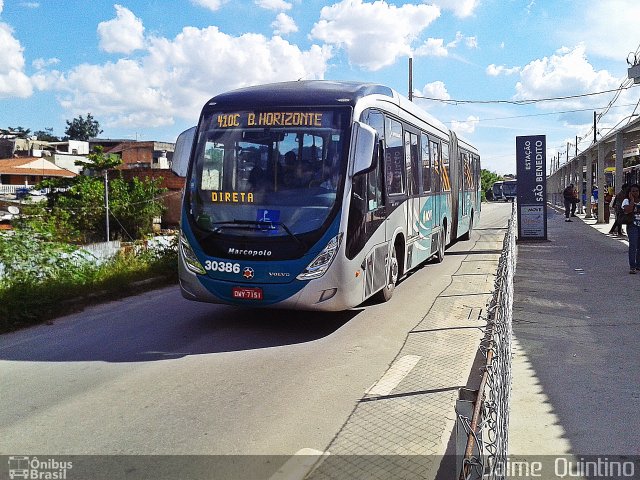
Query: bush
x=42, y=279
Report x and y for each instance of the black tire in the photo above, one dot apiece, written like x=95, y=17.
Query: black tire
x=386, y=293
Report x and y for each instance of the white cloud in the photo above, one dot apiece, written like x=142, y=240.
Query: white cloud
x=468, y=126
x=1, y=5
x=212, y=5
x=432, y=47
x=435, y=47
x=123, y=34
x=42, y=63
x=530, y=6
x=30, y=4
x=274, y=4
x=496, y=70
x=176, y=76
x=284, y=24
x=375, y=34
x=567, y=72
x=460, y=8
x=13, y=81
x=470, y=42
x=437, y=90
x=605, y=27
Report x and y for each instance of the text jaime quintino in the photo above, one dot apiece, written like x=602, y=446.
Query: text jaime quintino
x=566, y=467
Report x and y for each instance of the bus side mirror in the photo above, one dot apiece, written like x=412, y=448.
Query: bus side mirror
x=182, y=152
x=364, y=138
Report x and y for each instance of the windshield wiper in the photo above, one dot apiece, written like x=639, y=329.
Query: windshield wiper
x=254, y=225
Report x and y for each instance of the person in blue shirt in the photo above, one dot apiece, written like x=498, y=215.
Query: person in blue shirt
x=631, y=205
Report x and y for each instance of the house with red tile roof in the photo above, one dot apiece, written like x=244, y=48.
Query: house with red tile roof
x=27, y=171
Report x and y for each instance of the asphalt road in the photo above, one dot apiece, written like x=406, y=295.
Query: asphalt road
x=155, y=374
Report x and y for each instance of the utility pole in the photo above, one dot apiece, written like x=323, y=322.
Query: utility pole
x=595, y=138
x=106, y=200
x=410, y=79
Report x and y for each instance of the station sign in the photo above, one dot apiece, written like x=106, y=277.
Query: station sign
x=531, y=166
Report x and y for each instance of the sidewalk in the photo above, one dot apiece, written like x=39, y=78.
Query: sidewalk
x=401, y=427
x=576, y=324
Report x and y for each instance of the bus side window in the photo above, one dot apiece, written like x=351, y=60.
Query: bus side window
x=411, y=159
x=426, y=163
x=446, y=179
x=438, y=170
x=375, y=179
x=394, y=158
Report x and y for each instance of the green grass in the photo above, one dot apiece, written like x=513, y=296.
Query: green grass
x=28, y=300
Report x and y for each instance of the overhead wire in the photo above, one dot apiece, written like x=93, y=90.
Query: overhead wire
x=558, y=112
x=529, y=101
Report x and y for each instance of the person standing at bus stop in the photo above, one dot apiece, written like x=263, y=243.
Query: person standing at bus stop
x=631, y=204
x=617, y=210
x=570, y=201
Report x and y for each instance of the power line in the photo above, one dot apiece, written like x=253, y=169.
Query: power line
x=522, y=102
x=544, y=114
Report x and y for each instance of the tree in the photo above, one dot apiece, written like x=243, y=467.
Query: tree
x=79, y=212
x=98, y=161
x=46, y=135
x=81, y=128
x=134, y=204
x=19, y=132
x=487, y=180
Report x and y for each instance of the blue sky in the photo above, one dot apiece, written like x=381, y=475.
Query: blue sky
x=144, y=68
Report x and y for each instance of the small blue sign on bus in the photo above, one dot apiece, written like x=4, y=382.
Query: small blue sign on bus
x=531, y=164
x=268, y=218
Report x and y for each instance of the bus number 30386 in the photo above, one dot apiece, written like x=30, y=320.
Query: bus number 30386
x=222, y=266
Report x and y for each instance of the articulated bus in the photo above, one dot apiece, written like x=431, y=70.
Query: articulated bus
x=317, y=195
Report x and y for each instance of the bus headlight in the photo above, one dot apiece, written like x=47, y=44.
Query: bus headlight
x=190, y=259
x=323, y=260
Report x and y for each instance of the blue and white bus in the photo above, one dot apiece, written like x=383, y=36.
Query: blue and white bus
x=317, y=195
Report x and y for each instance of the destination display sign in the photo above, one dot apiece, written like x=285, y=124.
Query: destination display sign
x=531, y=166
x=271, y=119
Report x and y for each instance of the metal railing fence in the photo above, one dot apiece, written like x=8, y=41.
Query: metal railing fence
x=487, y=425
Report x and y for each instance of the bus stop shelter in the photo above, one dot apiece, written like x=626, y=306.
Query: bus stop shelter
x=610, y=154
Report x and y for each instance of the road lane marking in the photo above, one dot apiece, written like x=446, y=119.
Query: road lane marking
x=392, y=378
x=300, y=464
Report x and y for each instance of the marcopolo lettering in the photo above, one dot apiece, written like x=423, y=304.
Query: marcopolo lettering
x=249, y=253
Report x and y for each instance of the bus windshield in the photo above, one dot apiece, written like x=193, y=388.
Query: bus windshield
x=509, y=189
x=277, y=172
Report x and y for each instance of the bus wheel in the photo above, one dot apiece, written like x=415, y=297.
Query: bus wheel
x=386, y=293
x=467, y=235
x=442, y=238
